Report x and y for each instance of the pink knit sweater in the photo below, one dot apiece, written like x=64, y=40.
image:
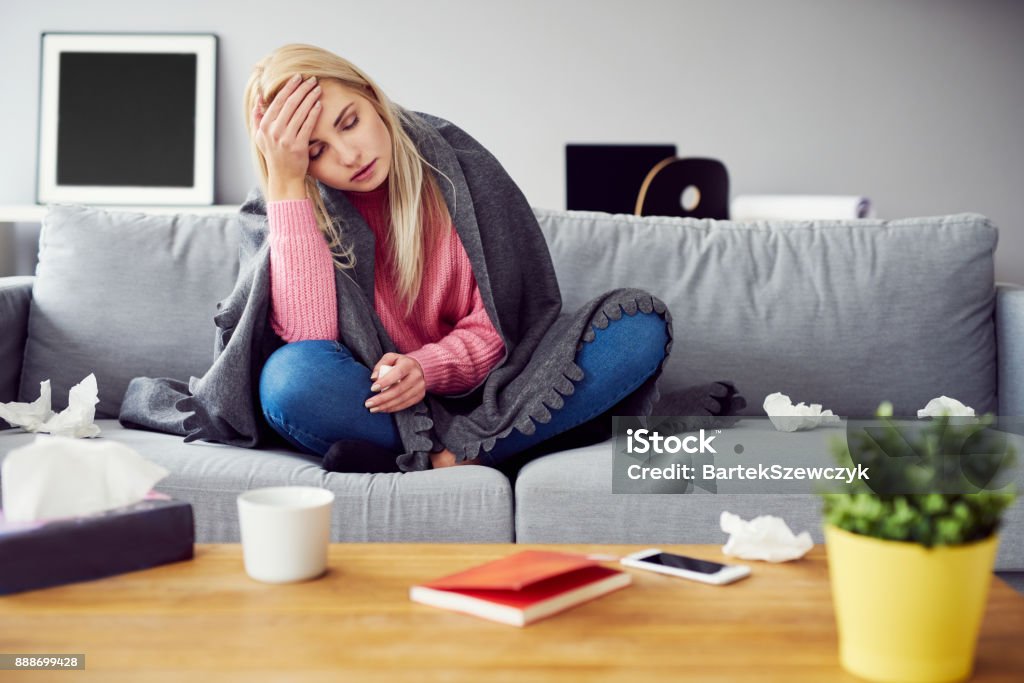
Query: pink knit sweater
x=448, y=333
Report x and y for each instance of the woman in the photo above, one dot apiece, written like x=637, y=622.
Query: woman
x=385, y=238
x=314, y=118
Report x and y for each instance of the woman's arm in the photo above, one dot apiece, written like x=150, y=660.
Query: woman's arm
x=303, y=299
x=453, y=365
x=460, y=360
x=463, y=358
x=304, y=303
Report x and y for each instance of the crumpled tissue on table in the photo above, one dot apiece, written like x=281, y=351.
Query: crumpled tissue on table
x=766, y=538
x=789, y=418
x=75, y=421
x=944, y=405
x=56, y=476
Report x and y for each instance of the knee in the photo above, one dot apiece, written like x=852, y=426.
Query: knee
x=286, y=373
x=647, y=333
x=638, y=341
x=634, y=344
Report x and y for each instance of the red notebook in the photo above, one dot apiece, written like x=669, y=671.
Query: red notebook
x=522, y=588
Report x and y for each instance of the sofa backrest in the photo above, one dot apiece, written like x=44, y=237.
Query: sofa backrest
x=123, y=294
x=845, y=314
x=841, y=313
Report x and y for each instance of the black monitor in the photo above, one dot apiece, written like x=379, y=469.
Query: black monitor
x=608, y=177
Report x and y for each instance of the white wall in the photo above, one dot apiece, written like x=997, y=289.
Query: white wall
x=915, y=103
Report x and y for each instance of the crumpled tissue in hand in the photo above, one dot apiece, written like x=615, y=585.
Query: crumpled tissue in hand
x=944, y=405
x=55, y=476
x=763, y=538
x=789, y=418
x=75, y=421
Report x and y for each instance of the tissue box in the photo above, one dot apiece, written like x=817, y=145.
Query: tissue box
x=54, y=552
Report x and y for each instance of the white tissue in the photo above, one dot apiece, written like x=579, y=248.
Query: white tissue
x=944, y=405
x=55, y=476
x=763, y=538
x=75, y=421
x=789, y=418
x=383, y=370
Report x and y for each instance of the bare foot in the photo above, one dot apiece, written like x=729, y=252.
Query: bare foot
x=446, y=458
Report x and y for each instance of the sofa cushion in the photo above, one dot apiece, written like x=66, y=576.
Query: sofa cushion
x=841, y=313
x=124, y=294
x=454, y=504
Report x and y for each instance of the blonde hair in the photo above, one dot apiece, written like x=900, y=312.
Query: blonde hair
x=419, y=215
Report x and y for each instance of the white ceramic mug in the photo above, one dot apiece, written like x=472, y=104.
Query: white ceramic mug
x=285, y=532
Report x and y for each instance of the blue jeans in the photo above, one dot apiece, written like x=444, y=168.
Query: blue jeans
x=313, y=392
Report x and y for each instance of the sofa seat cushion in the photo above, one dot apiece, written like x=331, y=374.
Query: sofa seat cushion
x=567, y=497
x=455, y=504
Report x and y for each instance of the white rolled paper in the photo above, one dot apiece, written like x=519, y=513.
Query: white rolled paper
x=750, y=207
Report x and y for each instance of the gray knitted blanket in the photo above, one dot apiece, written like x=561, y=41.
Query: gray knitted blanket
x=513, y=270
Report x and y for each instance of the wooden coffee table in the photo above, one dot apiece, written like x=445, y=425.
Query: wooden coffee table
x=206, y=621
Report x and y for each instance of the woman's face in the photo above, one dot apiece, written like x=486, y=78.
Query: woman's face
x=349, y=136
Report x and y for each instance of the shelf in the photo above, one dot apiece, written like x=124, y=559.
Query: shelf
x=34, y=213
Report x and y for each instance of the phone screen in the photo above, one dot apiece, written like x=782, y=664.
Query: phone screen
x=682, y=562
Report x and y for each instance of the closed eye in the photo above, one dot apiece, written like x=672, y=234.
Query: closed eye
x=321, y=149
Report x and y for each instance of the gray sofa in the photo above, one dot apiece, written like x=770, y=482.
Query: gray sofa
x=841, y=313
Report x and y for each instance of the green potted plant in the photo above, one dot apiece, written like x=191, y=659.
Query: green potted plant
x=911, y=551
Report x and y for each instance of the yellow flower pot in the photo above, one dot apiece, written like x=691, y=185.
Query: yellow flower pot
x=905, y=612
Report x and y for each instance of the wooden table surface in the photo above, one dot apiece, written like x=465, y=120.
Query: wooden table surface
x=207, y=617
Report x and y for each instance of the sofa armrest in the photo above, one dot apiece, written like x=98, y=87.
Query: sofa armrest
x=15, y=296
x=1010, y=348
